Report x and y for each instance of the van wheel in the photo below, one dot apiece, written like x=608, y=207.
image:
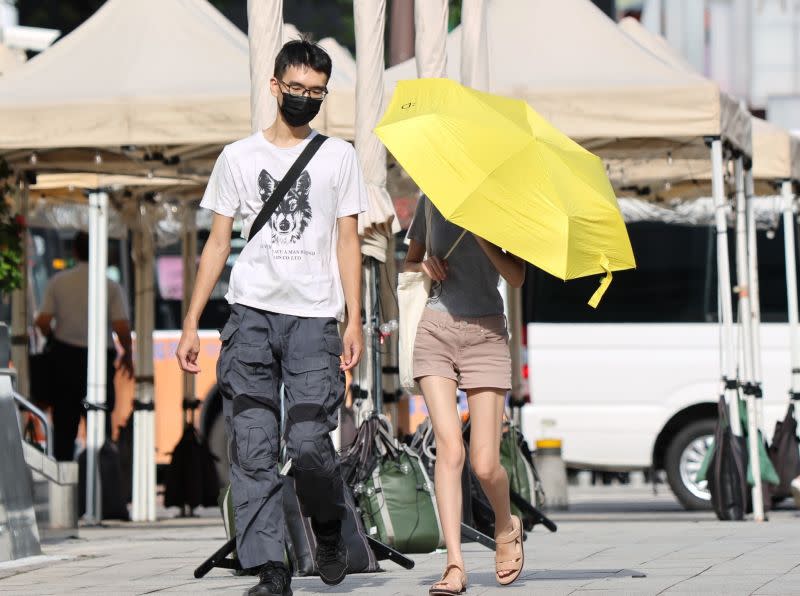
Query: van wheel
x=218, y=444
x=683, y=459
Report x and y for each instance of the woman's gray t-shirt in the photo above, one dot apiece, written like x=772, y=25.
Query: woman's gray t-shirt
x=471, y=287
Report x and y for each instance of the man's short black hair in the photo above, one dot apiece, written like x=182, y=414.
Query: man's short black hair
x=300, y=53
x=81, y=246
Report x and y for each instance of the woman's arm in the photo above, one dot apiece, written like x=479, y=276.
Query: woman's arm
x=434, y=267
x=510, y=267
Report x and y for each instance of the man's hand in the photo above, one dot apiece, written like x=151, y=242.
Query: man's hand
x=353, y=342
x=188, y=349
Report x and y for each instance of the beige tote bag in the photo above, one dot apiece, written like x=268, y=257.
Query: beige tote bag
x=413, y=289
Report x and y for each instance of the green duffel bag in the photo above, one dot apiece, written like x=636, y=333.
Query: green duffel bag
x=398, y=504
x=522, y=476
x=225, y=502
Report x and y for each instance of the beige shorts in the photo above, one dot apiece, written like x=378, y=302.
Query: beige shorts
x=471, y=351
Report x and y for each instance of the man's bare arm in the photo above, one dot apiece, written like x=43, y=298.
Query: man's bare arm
x=348, y=251
x=212, y=263
x=44, y=323
x=122, y=329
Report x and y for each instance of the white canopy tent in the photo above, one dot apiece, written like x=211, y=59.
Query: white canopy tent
x=774, y=163
x=576, y=68
x=151, y=72
x=10, y=60
x=773, y=147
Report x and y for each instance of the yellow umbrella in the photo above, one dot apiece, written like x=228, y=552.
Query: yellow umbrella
x=495, y=167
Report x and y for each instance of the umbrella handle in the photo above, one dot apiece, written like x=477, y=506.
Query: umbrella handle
x=604, y=283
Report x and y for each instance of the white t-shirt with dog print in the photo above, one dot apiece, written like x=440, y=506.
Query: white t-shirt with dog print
x=291, y=266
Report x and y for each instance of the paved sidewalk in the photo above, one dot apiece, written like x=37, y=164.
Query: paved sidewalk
x=612, y=541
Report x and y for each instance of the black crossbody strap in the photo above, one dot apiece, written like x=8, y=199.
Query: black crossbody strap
x=271, y=204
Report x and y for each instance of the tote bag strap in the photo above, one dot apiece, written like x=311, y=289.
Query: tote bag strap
x=428, y=217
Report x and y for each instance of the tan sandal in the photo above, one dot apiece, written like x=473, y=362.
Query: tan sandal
x=441, y=588
x=509, y=554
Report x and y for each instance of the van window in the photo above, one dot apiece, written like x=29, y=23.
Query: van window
x=674, y=282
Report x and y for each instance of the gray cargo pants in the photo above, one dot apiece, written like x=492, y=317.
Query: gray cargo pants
x=261, y=350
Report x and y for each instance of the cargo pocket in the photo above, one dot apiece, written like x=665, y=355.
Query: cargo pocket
x=334, y=346
x=253, y=445
x=309, y=383
x=224, y=359
x=250, y=372
x=228, y=331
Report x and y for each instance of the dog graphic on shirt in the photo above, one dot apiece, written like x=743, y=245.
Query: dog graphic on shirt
x=293, y=213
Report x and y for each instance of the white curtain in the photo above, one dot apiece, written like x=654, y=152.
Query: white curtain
x=264, y=31
x=380, y=221
x=474, y=45
x=430, y=42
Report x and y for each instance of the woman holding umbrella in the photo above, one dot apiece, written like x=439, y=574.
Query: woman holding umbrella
x=462, y=342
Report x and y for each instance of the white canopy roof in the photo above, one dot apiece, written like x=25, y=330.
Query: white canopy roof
x=596, y=84
x=149, y=72
x=774, y=154
x=9, y=60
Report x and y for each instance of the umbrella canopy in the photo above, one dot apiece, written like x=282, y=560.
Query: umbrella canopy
x=496, y=168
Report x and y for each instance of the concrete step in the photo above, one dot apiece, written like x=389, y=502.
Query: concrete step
x=55, y=494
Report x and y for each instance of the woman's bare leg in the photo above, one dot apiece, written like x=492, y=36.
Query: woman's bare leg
x=486, y=408
x=440, y=397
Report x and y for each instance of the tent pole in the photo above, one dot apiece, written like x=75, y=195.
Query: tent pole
x=791, y=287
x=189, y=254
x=514, y=322
x=745, y=322
x=148, y=393
x=366, y=366
x=755, y=294
x=729, y=384
x=98, y=344
x=144, y=489
x=136, y=501
x=375, y=323
x=20, y=316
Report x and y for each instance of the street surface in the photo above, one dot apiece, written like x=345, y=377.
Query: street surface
x=613, y=540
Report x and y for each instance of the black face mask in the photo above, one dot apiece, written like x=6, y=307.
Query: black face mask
x=299, y=110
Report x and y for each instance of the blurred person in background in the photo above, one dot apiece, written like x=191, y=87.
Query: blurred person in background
x=64, y=320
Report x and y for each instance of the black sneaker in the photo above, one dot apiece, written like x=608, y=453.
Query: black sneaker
x=274, y=580
x=331, y=558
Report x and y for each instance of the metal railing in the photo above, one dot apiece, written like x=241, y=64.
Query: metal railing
x=48, y=429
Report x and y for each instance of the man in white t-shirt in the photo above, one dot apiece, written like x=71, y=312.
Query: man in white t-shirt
x=289, y=289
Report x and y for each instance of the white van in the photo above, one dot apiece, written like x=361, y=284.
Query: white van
x=634, y=384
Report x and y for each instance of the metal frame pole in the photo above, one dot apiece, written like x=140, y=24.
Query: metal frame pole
x=755, y=293
x=97, y=351
x=189, y=255
x=729, y=383
x=745, y=322
x=791, y=286
x=20, y=304
x=143, y=507
x=20, y=316
x=375, y=323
